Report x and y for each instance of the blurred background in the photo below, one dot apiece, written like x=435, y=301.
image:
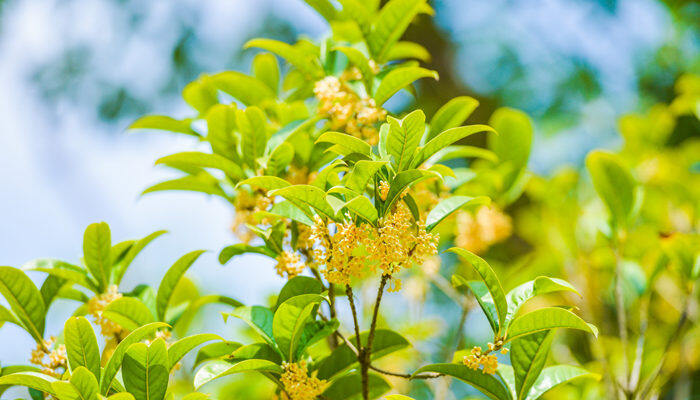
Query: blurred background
x=75, y=73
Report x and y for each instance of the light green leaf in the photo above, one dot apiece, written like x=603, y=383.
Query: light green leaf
x=363, y=208
x=7, y=316
x=297, y=286
x=507, y=375
x=64, y=271
x=358, y=59
x=459, y=151
x=164, y=123
x=343, y=358
x=404, y=137
x=219, y=350
x=349, y=387
x=547, y=318
x=171, y=279
x=289, y=321
x=361, y=174
x=556, y=375
x=513, y=142
x=145, y=370
x=296, y=57
x=110, y=370
x=267, y=69
x=229, y=252
x=539, y=286
x=217, y=369
x=247, y=89
x=403, y=180
x=200, y=94
x=447, y=138
x=390, y=24
x=397, y=397
x=399, y=78
x=183, y=346
x=485, y=383
x=203, y=183
x=259, y=318
x=252, y=124
x=265, y=182
x=25, y=300
x=221, y=124
x=614, y=184
x=97, y=248
x=258, y=351
x=307, y=195
x=129, y=313
x=34, y=380
x=452, y=115
x=490, y=279
x=204, y=160
x=528, y=355
x=350, y=144
x=86, y=384
x=483, y=297
x=81, y=345
x=446, y=207
x=280, y=158
x=408, y=50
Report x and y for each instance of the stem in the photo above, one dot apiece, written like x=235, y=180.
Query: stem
x=373, y=326
x=351, y=300
x=621, y=317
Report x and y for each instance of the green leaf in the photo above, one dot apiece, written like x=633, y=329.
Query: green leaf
x=483, y=297
x=183, y=323
x=296, y=57
x=358, y=59
x=258, y=351
x=145, y=370
x=490, y=279
x=183, y=346
x=229, y=252
x=307, y=195
x=362, y=173
x=452, y=114
x=129, y=313
x=7, y=316
x=25, y=300
x=397, y=397
x=460, y=151
x=528, y=355
x=164, y=123
x=86, y=384
x=267, y=69
x=252, y=124
x=547, y=318
x=259, y=318
x=34, y=380
x=221, y=124
x=507, y=375
x=200, y=94
x=217, y=369
x=204, y=160
x=343, y=358
x=485, y=383
x=446, y=138
x=556, y=375
x=349, y=387
x=404, y=137
x=403, y=180
x=363, y=208
x=110, y=370
x=62, y=270
x=171, y=279
x=244, y=88
x=81, y=345
x=280, y=158
x=390, y=24
x=203, y=183
x=446, y=207
x=539, y=286
x=399, y=78
x=408, y=50
x=513, y=142
x=614, y=184
x=218, y=350
x=265, y=182
x=97, y=248
x=297, y=286
x=289, y=321
x=349, y=143
x=134, y=250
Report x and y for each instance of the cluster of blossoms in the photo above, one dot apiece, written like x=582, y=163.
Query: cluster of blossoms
x=396, y=242
x=487, y=226
x=489, y=361
x=347, y=111
x=97, y=305
x=300, y=176
x=289, y=263
x=297, y=383
x=51, y=361
x=246, y=206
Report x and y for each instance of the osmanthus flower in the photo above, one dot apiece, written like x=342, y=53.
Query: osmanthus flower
x=98, y=304
x=477, y=231
x=298, y=384
x=51, y=357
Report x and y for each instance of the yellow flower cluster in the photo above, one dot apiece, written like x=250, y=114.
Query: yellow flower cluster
x=300, y=176
x=477, y=232
x=347, y=111
x=489, y=361
x=246, y=207
x=383, y=190
x=290, y=264
x=98, y=304
x=297, y=383
x=50, y=360
x=397, y=242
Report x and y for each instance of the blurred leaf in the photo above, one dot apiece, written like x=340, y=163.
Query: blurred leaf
x=449, y=205
x=300, y=60
x=614, y=185
x=164, y=123
x=349, y=387
x=267, y=70
x=204, y=160
x=244, y=88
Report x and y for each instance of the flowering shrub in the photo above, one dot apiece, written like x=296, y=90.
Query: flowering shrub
x=346, y=198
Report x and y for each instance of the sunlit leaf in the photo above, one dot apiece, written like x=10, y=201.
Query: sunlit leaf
x=485, y=383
